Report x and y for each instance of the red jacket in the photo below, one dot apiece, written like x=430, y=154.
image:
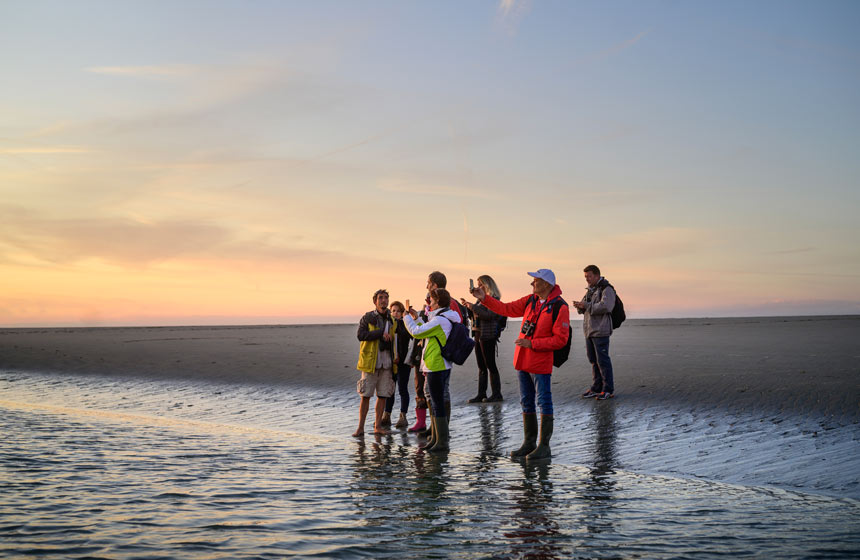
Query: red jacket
x=546, y=338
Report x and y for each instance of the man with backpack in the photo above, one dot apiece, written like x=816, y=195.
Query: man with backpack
x=544, y=341
x=599, y=305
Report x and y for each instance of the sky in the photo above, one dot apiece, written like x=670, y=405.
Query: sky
x=212, y=162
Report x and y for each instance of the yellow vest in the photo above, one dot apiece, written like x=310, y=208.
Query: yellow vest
x=368, y=351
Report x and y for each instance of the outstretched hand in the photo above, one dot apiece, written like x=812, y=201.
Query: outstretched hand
x=466, y=304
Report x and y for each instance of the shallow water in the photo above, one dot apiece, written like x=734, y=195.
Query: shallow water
x=134, y=468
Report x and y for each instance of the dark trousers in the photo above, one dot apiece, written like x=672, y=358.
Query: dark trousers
x=438, y=382
x=597, y=348
x=420, y=397
x=402, y=379
x=485, y=353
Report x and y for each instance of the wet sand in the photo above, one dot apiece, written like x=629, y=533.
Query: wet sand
x=757, y=402
x=801, y=365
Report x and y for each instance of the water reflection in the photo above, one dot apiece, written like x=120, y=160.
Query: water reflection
x=535, y=533
x=490, y=418
x=600, y=484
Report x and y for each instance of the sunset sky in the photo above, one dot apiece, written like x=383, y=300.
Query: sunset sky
x=276, y=162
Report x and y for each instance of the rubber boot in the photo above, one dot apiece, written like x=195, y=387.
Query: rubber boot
x=542, y=451
x=530, y=430
x=441, y=445
x=386, y=419
x=448, y=411
x=402, y=422
x=420, y=420
x=496, y=385
x=432, y=441
x=428, y=430
x=482, y=388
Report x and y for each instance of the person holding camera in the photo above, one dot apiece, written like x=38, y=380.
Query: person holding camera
x=435, y=332
x=533, y=355
x=597, y=305
x=485, y=330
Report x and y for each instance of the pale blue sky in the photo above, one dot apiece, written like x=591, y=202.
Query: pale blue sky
x=707, y=145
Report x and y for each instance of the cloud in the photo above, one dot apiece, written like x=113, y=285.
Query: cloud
x=145, y=71
x=45, y=150
x=29, y=238
x=793, y=251
x=612, y=50
x=431, y=189
x=511, y=12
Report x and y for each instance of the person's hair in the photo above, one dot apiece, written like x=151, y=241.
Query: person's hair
x=491, y=284
x=442, y=296
x=438, y=278
x=592, y=268
x=378, y=293
x=397, y=304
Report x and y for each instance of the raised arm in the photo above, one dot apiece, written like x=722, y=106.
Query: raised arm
x=516, y=308
x=423, y=330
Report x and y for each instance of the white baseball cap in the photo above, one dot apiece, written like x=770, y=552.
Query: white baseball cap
x=544, y=274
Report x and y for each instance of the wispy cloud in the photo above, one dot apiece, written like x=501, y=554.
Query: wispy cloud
x=430, y=189
x=46, y=150
x=510, y=13
x=145, y=71
x=612, y=50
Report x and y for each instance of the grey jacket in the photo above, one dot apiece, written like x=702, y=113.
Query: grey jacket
x=599, y=301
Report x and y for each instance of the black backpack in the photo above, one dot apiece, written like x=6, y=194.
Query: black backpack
x=500, y=325
x=618, y=315
x=459, y=345
x=560, y=356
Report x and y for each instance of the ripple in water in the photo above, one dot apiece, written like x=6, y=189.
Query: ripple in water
x=121, y=483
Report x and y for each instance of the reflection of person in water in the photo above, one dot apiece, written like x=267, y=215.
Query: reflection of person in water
x=536, y=534
x=600, y=485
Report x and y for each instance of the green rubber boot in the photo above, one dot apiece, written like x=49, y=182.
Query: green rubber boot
x=441, y=427
x=433, y=436
x=530, y=430
x=542, y=451
x=428, y=431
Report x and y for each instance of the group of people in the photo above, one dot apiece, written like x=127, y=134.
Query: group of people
x=396, y=338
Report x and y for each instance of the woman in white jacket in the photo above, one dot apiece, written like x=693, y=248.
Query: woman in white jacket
x=436, y=368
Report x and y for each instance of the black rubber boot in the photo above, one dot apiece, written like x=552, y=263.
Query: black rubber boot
x=530, y=430
x=542, y=451
x=482, y=388
x=496, y=386
x=441, y=427
x=432, y=441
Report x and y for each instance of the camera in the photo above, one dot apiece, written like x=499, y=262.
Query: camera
x=528, y=328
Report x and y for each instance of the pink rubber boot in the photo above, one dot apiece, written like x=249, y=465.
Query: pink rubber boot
x=421, y=417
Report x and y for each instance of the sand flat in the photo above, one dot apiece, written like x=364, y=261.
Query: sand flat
x=806, y=365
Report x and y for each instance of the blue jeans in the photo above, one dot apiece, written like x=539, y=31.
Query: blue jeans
x=529, y=383
x=597, y=349
x=438, y=385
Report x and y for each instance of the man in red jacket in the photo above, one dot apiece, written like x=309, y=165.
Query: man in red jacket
x=539, y=337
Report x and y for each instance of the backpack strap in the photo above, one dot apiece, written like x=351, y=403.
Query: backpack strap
x=557, y=308
x=439, y=342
